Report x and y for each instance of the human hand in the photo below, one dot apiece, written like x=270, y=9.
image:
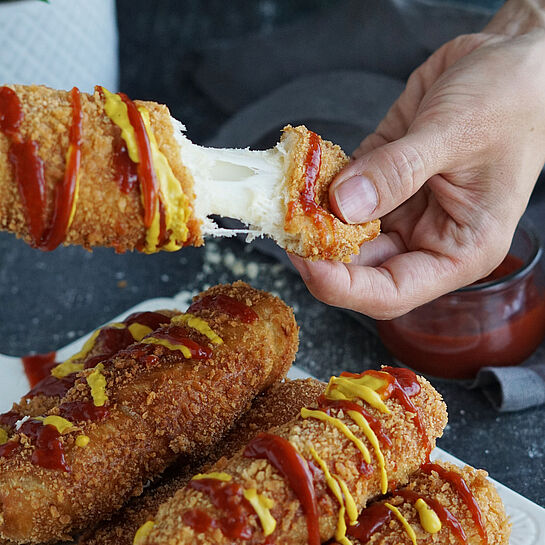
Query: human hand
x=450, y=170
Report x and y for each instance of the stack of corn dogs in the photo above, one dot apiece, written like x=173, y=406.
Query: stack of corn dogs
x=178, y=428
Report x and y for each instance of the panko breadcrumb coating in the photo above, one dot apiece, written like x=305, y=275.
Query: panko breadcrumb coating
x=160, y=405
x=289, y=183
x=432, y=487
x=180, y=520
x=279, y=404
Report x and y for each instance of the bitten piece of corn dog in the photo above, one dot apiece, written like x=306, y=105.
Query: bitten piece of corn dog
x=102, y=170
x=299, y=483
x=277, y=405
x=176, y=391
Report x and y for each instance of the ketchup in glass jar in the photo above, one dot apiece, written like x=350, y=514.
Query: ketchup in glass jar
x=497, y=321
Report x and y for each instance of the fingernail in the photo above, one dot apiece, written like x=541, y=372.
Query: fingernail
x=356, y=198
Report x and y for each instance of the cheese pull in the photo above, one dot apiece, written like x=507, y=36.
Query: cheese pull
x=103, y=170
x=442, y=505
x=316, y=472
x=129, y=417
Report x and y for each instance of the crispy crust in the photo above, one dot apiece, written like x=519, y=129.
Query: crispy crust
x=159, y=408
x=277, y=405
x=105, y=216
x=41, y=403
x=433, y=486
x=402, y=459
x=330, y=238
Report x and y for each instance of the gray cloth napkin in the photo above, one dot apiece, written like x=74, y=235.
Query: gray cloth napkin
x=338, y=73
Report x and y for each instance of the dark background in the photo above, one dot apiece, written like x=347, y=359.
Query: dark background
x=50, y=299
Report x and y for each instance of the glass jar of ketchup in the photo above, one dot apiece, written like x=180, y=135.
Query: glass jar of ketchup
x=497, y=321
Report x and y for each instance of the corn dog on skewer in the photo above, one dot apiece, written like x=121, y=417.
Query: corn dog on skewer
x=126, y=419
x=310, y=473
x=442, y=504
x=277, y=405
x=102, y=170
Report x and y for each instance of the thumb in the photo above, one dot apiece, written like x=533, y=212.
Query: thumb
x=382, y=179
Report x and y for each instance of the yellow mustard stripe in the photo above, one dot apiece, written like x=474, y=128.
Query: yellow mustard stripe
x=403, y=520
x=71, y=150
x=3, y=436
x=218, y=475
x=82, y=441
x=262, y=506
x=97, y=383
x=364, y=388
x=143, y=532
x=200, y=325
x=116, y=110
x=428, y=517
x=340, y=532
x=341, y=426
x=62, y=425
x=360, y=420
x=69, y=366
x=175, y=202
x=139, y=331
x=171, y=346
x=351, y=507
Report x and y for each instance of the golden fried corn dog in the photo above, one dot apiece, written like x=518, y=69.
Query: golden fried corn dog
x=366, y=435
x=277, y=405
x=103, y=344
x=442, y=505
x=102, y=170
x=129, y=417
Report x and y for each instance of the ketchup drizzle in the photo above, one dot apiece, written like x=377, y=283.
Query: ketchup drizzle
x=229, y=498
x=8, y=420
x=146, y=172
x=66, y=193
x=126, y=174
x=49, y=450
x=178, y=335
x=465, y=493
x=38, y=366
x=307, y=198
x=370, y=521
x=281, y=454
x=28, y=167
x=229, y=305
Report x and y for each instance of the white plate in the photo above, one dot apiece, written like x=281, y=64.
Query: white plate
x=527, y=518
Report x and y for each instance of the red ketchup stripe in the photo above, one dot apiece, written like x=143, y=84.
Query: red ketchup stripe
x=281, y=454
x=370, y=521
x=227, y=497
x=146, y=172
x=228, y=305
x=307, y=199
x=27, y=166
x=126, y=174
x=465, y=493
x=65, y=194
x=446, y=517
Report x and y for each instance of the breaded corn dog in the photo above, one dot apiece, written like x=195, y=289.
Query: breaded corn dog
x=442, y=505
x=296, y=485
x=102, y=170
x=129, y=417
x=103, y=344
x=277, y=405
